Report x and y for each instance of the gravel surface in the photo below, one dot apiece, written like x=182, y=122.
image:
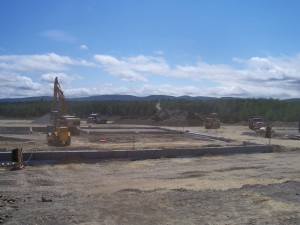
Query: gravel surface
x=233, y=189
x=237, y=189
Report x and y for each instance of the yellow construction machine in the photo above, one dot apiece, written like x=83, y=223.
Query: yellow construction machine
x=62, y=125
x=58, y=136
x=212, y=122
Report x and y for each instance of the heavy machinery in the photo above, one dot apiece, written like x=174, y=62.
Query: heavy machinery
x=256, y=123
x=58, y=114
x=96, y=118
x=58, y=136
x=212, y=122
x=62, y=125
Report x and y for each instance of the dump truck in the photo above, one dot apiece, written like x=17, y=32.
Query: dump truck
x=256, y=122
x=97, y=118
x=212, y=122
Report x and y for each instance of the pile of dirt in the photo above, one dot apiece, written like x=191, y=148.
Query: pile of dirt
x=45, y=119
x=178, y=118
x=167, y=117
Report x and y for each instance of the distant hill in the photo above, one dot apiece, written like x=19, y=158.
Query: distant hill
x=123, y=98
x=27, y=99
x=293, y=100
x=106, y=98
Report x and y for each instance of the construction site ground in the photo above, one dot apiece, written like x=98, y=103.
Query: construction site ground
x=213, y=189
x=127, y=136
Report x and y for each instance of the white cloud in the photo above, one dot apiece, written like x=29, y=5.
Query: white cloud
x=258, y=77
x=58, y=35
x=45, y=62
x=120, y=68
x=203, y=70
x=17, y=82
x=16, y=72
x=84, y=47
x=145, y=90
x=62, y=77
x=277, y=77
x=13, y=85
x=82, y=92
x=107, y=60
x=168, y=89
x=133, y=68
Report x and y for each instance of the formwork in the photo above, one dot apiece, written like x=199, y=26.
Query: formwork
x=136, y=154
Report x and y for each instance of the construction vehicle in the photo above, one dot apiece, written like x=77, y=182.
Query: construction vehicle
x=212, y=122
x=58, y=114
x=62, y=125
x=96, y=118
x=256, y=123
x=58, y=135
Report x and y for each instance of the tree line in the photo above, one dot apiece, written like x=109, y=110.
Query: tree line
x=34, y=109
x=229, y=110
x=235, y=110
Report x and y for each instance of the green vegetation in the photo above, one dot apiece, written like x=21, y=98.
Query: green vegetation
x=229, y=110
x=24, y=110
x=237, y=110
x=34, y=109
x=112, y=108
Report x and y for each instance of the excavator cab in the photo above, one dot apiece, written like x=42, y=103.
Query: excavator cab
x=56, y=134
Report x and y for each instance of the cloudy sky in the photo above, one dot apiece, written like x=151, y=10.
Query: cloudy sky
x=233, y=48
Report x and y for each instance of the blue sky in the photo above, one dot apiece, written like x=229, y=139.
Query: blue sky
x=235, y=48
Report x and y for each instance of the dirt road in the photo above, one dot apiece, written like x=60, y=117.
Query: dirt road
x=236, y=189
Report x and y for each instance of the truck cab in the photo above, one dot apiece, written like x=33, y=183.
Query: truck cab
x=256, y=122
x=96, y=118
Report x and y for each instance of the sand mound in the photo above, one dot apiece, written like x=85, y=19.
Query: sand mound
x=45, y=119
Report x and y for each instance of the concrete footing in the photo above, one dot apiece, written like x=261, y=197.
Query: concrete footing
x=52, y=156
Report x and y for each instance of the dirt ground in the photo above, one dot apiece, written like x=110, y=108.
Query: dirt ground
x=236, y=189
x=110, y=137
x=213, y=189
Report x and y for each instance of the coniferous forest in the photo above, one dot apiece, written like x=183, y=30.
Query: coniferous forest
x=230, y=110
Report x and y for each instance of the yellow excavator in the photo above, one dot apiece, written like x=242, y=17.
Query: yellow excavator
x=62, y=125
x=58, y=135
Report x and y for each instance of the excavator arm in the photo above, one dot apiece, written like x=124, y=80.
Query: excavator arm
x=58, y=115
x=58, y=101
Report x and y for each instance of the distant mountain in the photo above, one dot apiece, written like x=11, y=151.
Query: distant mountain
x=293, y=100
x=136, y=98
x=196, y=97
x=106, y=98
x=27, y=99
x=123, y=98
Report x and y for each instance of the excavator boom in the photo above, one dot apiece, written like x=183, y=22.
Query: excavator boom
x=58, y=101
x=59, y=115
x=63, y=125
